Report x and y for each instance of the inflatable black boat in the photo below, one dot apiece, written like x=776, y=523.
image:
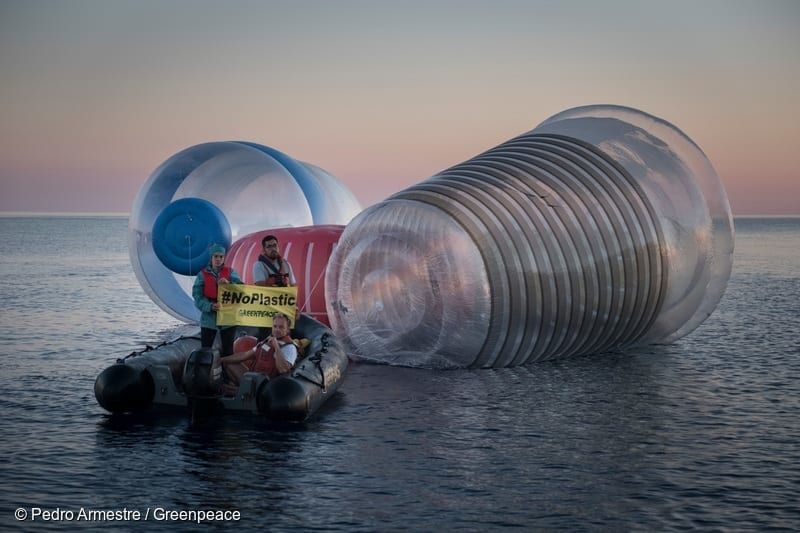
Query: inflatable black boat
x=179, y=373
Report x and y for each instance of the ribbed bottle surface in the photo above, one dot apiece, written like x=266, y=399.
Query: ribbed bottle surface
x=548, y=245
x=558, y=244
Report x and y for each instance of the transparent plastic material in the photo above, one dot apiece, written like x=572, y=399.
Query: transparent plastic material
x=336, y=202
x=601, y=229
x=256, y=187
x=411, y=281
x=688, y=196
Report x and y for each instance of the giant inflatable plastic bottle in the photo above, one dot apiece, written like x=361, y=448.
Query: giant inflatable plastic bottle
x=216, y=193
x=603, y=228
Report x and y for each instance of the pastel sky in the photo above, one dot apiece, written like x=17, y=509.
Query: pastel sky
x=95, y=94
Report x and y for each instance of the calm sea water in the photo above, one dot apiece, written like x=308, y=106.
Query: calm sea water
x=701, y=434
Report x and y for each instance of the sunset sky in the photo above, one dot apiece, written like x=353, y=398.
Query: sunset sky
x=94, y=95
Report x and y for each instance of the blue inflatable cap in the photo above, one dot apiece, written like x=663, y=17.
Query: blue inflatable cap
x=183, y=232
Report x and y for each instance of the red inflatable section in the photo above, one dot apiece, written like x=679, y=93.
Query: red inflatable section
x=307, y=249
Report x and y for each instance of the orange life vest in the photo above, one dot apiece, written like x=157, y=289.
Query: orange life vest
x=264, y=363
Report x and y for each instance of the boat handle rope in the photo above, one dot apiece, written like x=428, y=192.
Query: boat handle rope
x=317, y=360
x=148, y=348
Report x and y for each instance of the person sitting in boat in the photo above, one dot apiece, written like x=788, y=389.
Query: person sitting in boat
x=272, y=270
x=204, y=292
x=273, y=357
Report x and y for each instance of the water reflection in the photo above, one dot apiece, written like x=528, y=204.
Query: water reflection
x=584, y=429
x=223, y=462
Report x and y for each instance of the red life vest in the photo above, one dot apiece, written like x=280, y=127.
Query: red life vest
x=210, y=281
x=264, y=363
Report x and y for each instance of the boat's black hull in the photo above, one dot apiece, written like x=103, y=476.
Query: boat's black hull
x=152, y=378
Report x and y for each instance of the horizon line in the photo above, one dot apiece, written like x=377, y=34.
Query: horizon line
x=110, y=214
x=77, y=214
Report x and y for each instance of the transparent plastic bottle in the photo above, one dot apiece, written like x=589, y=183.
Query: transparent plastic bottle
x=603, y=228
x=233, y=189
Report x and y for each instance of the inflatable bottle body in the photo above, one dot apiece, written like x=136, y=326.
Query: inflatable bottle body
x=219, y=192
x=602, y=228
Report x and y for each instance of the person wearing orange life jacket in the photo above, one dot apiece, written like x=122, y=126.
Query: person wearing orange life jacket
x=273, y=357
x=204, y=292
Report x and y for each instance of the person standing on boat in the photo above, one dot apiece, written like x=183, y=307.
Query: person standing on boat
x=273, y=357
x=204, y=292
x=272, y=270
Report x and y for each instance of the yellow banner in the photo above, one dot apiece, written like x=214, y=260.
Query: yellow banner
x=253, y=305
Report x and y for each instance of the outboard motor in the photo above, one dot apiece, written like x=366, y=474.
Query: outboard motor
x=202, y=375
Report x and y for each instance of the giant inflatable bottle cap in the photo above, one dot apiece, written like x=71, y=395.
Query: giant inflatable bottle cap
x=184, y=231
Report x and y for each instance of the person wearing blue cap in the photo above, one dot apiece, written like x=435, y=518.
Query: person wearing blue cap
x=204, y=292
